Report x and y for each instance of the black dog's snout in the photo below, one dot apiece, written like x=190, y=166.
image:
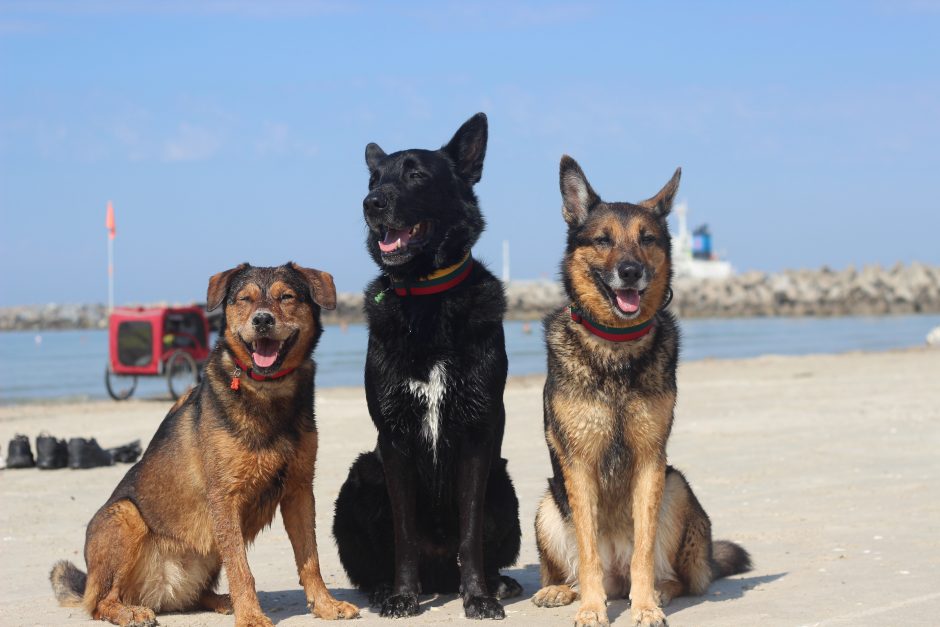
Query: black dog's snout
x=263, y=321
x=630, y=272
x=375, y=200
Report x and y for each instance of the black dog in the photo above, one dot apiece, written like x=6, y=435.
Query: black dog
x=432, y=508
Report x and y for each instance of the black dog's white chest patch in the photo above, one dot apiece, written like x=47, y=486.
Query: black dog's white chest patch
x=432, y=393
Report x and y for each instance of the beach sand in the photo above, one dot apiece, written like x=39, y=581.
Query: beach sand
x=824, y=467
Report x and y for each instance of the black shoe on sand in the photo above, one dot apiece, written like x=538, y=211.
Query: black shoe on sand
x=51, y=452
x=19, y=455
x=88, y=454
x=126, y=454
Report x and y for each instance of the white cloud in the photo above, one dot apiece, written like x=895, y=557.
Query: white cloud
x=191, y=143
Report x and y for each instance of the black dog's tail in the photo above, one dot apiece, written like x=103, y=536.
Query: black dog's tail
x=729, y=559
x=68, y=583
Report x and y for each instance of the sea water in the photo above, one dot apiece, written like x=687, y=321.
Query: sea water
x=70, y=365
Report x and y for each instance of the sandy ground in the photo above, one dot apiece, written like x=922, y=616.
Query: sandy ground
x=824, y=467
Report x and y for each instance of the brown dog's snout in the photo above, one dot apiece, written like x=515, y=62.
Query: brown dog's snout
x=263, y=321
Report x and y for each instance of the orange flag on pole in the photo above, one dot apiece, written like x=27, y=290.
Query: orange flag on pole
x=109, y=221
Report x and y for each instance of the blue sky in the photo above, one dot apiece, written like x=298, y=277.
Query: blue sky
x=808, y=132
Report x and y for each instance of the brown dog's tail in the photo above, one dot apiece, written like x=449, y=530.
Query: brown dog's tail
x=729, y=559
x=68, y=583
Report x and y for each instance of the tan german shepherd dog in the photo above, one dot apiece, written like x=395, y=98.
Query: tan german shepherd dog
x=616, y=520
x=233, y=449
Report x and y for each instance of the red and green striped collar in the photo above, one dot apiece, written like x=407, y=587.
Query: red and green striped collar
x=438, y=281
x=612, y=334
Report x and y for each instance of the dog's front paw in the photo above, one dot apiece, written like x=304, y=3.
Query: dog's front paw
x=588, y=617
x=400, y=606
x=137, y=616
x=554, y=596
x=504, y=587
x=252, y=620
x=483, y=607
x=334, y=609
x=648, y=617
x=379, y=594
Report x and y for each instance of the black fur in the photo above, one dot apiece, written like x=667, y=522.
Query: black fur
x=452, y=504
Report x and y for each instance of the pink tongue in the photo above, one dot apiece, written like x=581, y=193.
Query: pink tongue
x=628, y=300
x=391, y=241
x=265, y=352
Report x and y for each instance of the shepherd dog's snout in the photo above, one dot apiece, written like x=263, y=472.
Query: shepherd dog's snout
x=630, y=273
x=263, y=321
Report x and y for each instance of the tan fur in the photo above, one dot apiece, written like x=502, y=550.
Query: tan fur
x=210, y=481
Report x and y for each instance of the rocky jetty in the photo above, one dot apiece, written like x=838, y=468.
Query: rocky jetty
x=871, y=290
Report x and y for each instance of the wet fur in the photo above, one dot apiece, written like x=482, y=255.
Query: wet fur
x=616, y=520
x=432, y=508
x=215, y=472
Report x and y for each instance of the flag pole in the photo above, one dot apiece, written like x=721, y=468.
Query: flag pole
x=109, y=224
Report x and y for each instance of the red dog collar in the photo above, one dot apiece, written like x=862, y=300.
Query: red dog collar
x=612, y=334
x=438, y=281
x=240, y=367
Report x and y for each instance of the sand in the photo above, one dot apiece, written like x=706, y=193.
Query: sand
x=823, y=467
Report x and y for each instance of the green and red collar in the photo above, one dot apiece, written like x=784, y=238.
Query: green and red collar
x=612, y=334
x=438, y=281
x=242, y=368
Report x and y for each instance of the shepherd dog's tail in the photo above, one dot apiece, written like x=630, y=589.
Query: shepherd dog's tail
x=68, y=583
x=729, y=559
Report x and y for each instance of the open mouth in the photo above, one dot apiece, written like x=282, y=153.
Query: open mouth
x=399, y=240
x=625, y=301
x=268, y=353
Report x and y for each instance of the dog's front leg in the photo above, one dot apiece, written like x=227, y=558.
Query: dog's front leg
x=473, y=470
x=582, y=489
x=299, y=513
x=226, y=525
x=400, y=480
x=649, y=477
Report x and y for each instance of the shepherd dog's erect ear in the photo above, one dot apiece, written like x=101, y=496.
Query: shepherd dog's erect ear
x=322, y=289
x=661, y=203
x=468, y=147
x=577, y=195
x=218, y=286
x=374, y=154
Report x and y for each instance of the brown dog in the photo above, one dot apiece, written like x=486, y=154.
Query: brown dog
x=229, y=452
x=616, y=519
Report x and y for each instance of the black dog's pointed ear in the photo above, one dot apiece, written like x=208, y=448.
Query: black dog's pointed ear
x=576, y=193
x=218, y=286
x=322, y=289
x=374, y=154
x=468, y=147
x=661, y=203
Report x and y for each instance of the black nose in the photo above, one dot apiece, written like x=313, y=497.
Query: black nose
x=375, y=200
x=630, y=272
x=262, y=321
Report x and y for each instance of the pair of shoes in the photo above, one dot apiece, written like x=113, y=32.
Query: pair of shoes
x=51, y=453
x=88, y=454
x=126, y=454
x=19, y=455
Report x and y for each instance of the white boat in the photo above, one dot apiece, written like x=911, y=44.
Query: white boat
x=695, y=259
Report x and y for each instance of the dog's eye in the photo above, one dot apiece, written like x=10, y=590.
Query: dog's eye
x=601, y=240
x=646, y=239
x=416, y=174
x=286, y=297
x=243, y=299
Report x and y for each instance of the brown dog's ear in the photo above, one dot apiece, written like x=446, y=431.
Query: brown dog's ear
x=218, y=286
x=661, y=203
x=321, y=285
x=468, y=147
x=577, y=195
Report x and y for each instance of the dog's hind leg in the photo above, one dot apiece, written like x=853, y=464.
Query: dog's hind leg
x=116, y=536
x=362, y=528
x=501, y=533
x=558, y=557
